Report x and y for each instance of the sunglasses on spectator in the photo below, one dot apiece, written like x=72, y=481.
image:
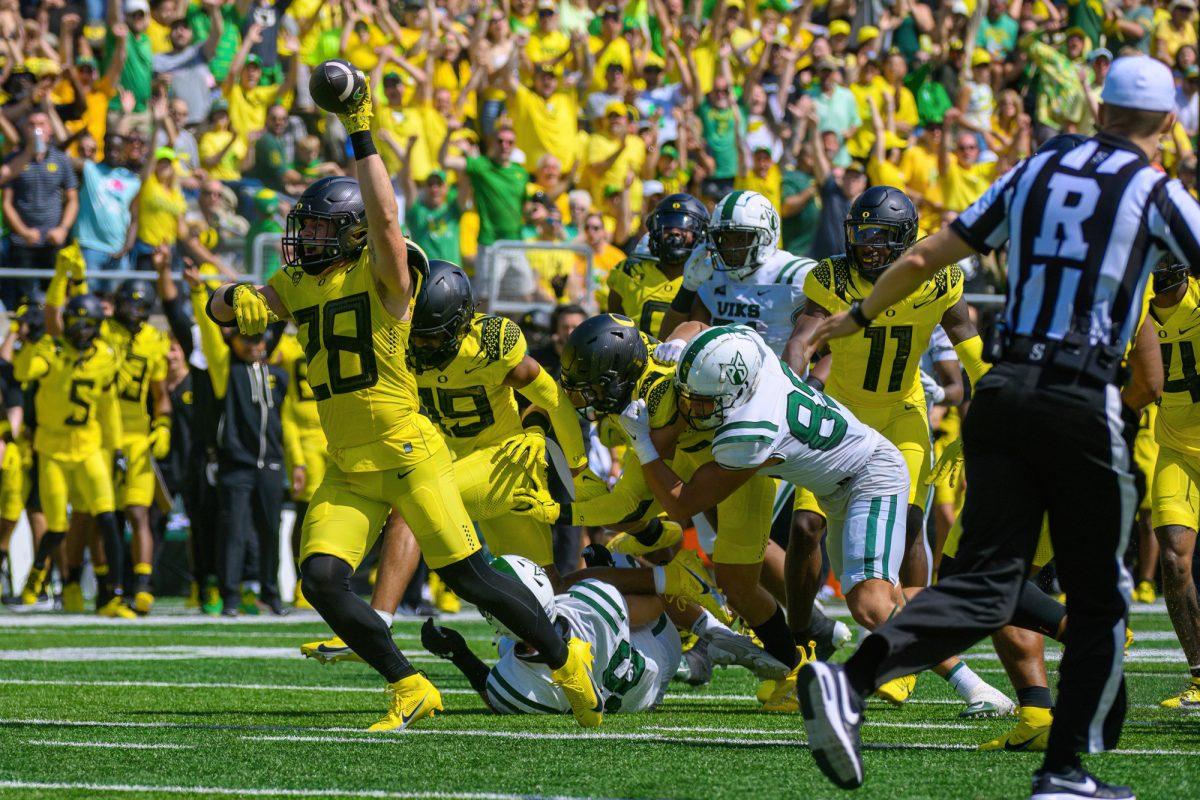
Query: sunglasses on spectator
x=970, y=146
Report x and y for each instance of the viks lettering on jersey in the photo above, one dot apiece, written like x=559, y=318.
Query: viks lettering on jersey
x=730, y=308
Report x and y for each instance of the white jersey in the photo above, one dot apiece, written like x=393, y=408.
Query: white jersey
x=823, y=446
x=595, y=612
x=768, y=302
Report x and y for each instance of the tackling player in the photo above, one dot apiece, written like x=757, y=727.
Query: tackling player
x=350, y=282
x=142, y=350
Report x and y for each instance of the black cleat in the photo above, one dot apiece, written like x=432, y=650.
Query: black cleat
x=832, y=717
x=1075, y=783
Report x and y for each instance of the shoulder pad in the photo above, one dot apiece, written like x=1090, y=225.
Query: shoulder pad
x=948, y=278
x=511, y=337
x=657, y=392
x=491, y=333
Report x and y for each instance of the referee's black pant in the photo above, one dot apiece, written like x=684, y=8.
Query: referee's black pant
x=1031, y=451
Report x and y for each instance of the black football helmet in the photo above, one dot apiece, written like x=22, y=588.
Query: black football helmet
x=881, y=224
x=1169, y=274
x=676, y=225
x=441, y=317
x=132, y=303
x=338, y=201
x=601, y=364
x=81, y=320
x=1062, y=142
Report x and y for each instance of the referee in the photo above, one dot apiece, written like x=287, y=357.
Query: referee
x=1044, y=435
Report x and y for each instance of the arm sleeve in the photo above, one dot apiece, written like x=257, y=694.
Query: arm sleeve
x=970, y=354
x=1174, y=219
x=629, y=501
x=212, y=344
x=545, y=393
x=293, y=453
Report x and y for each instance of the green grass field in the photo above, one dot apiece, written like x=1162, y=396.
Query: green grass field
x=176, y=706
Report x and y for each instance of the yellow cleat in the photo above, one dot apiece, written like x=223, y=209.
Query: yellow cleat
x=687, y=580
x=1187, y=700
x=1128, y=639
x=300, y=601
x=1144, y=593
x=783, y=692
x=329, y=651
x=1030, y=734
x=444, y=600
x=143, y=602
x=897, y=690
x=72, y=599
x=193, y=598
x=33, y=586
x=575, y=679
x=116, y=609
x=409, y=700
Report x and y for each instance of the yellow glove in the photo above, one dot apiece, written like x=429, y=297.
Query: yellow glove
x=653, y=537
x=536, y=502
x=359, y=119
x=251, y=310
x=160, y=438
x=525, y=450
x=949, y=466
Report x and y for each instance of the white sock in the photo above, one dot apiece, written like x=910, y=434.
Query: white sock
x=963, y=680
x=660, y=580
x=385, y=616
x=706, y=625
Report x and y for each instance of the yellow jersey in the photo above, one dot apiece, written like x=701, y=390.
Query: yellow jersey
x=878, y=367
x=645, y=292
x=1178, y=424
x=143, y=361
x=357, y=368
x=289, y=354
x=467, y=397
x=73, y=390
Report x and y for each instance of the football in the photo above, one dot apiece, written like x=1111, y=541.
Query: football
x=336, y=86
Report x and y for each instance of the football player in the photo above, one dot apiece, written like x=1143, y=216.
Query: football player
x=765, y=420
x=642, y=286
x=78, y=420
x=145, y=419
x=350, y=283
x=744, y=277
x=1175, y=488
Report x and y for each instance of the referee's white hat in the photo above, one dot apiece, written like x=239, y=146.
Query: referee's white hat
x=1139, y=82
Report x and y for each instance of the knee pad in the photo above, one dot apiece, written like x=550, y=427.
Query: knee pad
x=324, y=575
x=467, y=578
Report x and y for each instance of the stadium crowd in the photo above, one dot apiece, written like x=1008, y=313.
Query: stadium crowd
x=172, y=136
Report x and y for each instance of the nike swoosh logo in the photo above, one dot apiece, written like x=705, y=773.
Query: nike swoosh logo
x=405, y=474
x=1185, y=331
x=324, y=649
x=1087, y=786
x=407, y=718
x=922, y=305
x=1017, y=748
x=703, y=583
x=473, y=369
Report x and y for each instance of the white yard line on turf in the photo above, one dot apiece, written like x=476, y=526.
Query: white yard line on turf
x=215, y=631
x=56, y=620
x=241, y=791
x=113, y=745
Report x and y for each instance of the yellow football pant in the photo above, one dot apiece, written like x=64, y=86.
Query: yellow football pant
x=137, y=486
x=1176, y=490
x=1041, y=557
x=316, y=460
x=486, y=485
x=743, y=518
x=349, y=508
x=905, y=425
x=85, y=484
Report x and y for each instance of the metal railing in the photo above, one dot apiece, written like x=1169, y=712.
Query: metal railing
x=509, y=283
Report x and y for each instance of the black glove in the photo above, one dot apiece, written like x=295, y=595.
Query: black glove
x=442, y=642
x=120, y=465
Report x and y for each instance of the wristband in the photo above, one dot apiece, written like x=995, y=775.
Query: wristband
x=536, y=420
x=855, y=313
x=362, y=144
x=683, y=301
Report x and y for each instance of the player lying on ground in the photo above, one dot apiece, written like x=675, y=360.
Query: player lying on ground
x=350, y=283
x=766, y=421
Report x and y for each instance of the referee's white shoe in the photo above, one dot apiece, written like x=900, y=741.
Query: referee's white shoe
x=832, y=717
x=1073, y=784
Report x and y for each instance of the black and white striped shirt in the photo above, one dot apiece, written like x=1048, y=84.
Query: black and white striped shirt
x=1086, y=227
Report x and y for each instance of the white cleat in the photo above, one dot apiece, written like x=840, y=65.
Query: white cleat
x=988, y=701
x=728, y=648
x=832, y=718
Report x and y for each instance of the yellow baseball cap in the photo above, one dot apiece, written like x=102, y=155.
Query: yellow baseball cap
x=616, y=107
x=839, y=27
x=867, y=32
x=980, y=58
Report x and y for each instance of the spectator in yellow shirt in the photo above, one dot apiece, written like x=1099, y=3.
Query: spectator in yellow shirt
x=610, y=47
x=223, y=154
x=1172, y=34
x=962, y=177
x=248, y=101
x=615, y=154
x=546, y=120
x=762, y=176
x=547, y=44
x=160, y=209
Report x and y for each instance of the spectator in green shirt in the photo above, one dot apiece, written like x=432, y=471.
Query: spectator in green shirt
x=433, y=214
x=271, y=158
x=719, y=120
x=998, y=32
x=266, y=203
x=498, y=186
x=800, y=213
x=138, y=73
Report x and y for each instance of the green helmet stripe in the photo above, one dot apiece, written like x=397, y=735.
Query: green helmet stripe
x=693, y=349
x=730, y=204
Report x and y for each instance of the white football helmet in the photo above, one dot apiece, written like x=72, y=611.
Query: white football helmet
x=535, y=580
x=745, y=233
x=717, y=373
